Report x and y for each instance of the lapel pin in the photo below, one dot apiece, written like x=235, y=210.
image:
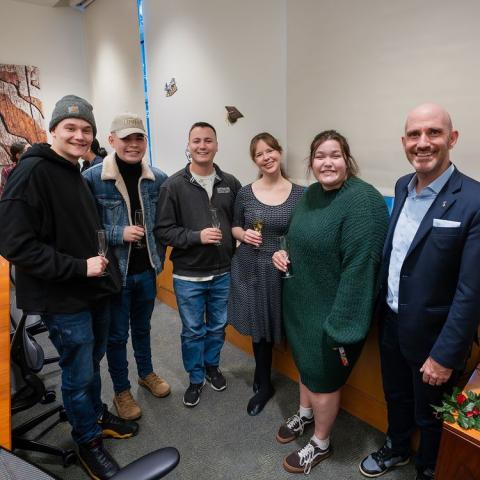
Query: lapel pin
x=444, y=204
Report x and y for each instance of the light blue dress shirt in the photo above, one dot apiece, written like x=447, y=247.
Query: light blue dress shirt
x=414, y=209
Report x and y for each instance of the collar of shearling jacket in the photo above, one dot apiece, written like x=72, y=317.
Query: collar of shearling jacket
x=110, y=171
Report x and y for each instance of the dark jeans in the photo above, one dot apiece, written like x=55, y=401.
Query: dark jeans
x=408, y=398
x=81, y=340
x=203, y=309
x=131, y=308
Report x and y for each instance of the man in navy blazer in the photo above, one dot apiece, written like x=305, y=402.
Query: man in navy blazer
x=430, y=298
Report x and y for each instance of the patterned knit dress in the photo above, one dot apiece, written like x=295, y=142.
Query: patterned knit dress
x=335, y=239
x=254, y=306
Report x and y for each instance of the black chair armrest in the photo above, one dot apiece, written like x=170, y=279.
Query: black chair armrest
x=152, y=466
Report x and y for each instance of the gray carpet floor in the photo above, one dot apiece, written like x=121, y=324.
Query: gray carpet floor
x=216, y=439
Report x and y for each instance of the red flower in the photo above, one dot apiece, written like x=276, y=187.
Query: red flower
x=475, y=411
x=461, y=399
x=469, y=414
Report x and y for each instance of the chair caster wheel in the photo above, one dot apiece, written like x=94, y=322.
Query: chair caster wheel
x=69, y=458
x=49, y=397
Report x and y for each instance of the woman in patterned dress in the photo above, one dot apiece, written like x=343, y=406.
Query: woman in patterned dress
x=254, y=306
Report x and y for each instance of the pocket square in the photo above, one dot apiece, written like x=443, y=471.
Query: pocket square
x=438, y=222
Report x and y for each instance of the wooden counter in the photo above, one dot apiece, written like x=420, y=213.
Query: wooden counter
x=5, y=440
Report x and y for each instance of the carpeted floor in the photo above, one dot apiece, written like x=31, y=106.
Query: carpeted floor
x=216, y=439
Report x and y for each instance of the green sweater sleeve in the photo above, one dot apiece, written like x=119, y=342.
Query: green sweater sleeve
x=363, y=233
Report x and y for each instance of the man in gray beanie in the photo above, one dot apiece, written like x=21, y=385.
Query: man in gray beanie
x=52, y=239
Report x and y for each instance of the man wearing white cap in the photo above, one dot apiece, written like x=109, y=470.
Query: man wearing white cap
x=126, y=190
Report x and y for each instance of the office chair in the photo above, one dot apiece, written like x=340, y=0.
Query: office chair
x=152, y=466
x=28, y=390
x=34, y=324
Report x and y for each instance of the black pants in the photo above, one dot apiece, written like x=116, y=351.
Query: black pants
x=408, y=398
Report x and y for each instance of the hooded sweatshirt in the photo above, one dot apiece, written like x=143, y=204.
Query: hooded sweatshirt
x=49, y=220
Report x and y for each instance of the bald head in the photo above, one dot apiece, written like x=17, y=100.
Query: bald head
x=429, y=137
x=427, y=111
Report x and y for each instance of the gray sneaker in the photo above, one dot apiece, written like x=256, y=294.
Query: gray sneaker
x=382, y=461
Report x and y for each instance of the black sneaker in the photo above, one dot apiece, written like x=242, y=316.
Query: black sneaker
x=216, y=379
x=116, y=427
x=191, y=396
x=98, y=463
x=304, y=459
x=380, y=462
x=293, y=428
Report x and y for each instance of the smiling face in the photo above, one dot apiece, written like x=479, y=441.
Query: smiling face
x=428, y=139
x=266, y=158
x=130, y=149
x=202, y=145
x=329, y=166
x=72, y=138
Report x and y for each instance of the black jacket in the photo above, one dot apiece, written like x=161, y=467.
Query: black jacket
x=48, y=218
x=183, y=211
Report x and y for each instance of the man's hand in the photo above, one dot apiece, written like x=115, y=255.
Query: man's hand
x=211, y=235
x=96, y=266
x=434, y=373
x=132, y=233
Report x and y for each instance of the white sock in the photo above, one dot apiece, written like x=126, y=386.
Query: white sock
x=305, y=412
x=323, y=444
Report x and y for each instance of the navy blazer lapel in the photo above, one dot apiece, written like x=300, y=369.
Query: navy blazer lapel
x=440, y=206
x=398, y=202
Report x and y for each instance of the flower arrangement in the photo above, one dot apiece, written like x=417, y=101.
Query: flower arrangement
x=462, y=408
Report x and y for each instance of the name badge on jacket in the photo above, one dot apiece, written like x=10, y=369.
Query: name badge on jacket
x=223, y=189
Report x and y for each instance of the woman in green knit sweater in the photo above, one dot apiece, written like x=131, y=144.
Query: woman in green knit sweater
x=335, y=239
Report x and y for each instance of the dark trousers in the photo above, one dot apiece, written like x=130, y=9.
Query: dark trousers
x=408, y=398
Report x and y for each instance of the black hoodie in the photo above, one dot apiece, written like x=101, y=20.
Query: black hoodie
x=48, y=220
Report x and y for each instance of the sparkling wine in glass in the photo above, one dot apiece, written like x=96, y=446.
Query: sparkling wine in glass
x=257, y=223
x=102, y=246
x=215, y=220
x=139, y=222
x=284, y=246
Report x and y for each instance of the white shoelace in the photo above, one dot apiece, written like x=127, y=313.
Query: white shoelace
x=295, y=423
x=307, y=454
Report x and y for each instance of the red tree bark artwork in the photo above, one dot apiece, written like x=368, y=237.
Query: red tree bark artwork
x=21, y=115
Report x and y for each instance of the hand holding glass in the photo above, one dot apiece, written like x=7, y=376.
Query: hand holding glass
x=139, y=222
x=284, y=247
x=258, y=223
x=102, y=246
x=215, y=221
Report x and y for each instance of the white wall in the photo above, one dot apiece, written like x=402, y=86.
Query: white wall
x=221, y=52
x=51, y=39
x=114, y=61
x=359, y=67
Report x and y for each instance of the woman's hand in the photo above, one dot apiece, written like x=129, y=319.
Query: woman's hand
x=252, y=237
x=280, y=260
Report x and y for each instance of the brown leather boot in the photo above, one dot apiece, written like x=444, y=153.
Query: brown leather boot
x=126, y=406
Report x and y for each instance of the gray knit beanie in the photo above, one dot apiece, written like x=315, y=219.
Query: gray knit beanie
x=71, y=106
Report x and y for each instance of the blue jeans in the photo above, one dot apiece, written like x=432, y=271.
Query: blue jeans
x=203, y=310
x=131, y=308
x=81, y=340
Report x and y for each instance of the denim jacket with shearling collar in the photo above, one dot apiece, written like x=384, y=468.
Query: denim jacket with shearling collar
x=113, y=203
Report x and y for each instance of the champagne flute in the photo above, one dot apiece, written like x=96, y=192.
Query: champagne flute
x=102, y=246
x=284, y=246
x=139, y=222
x=257, y=223
x=215, y=220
